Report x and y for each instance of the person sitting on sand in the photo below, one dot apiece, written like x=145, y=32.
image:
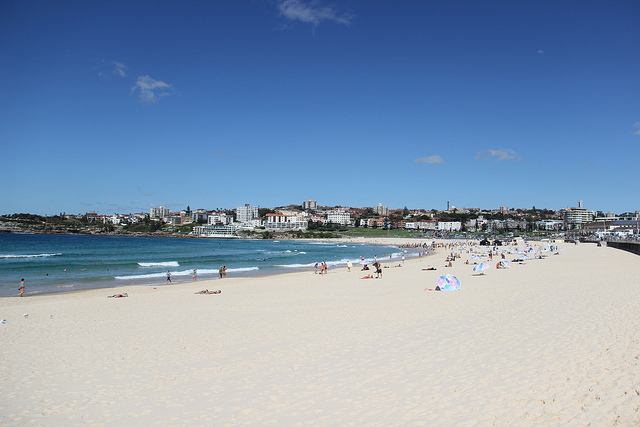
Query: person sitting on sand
x=207, y=291
x=366, y=267
x=123, y=295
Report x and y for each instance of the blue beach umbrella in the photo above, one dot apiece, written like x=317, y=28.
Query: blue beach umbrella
x=481, y=267
x=448, y=283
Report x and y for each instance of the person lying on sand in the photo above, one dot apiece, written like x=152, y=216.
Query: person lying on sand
x=118, y=296
x=207, y=291
x=368, y=276
x=428, y=269
x=437, y=288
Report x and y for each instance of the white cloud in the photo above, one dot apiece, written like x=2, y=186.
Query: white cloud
x=500, y=155
x=151, y=90
x=637, y=125
x=432, y=160
x=541, y=51
x=119, y=69
x=311, y=12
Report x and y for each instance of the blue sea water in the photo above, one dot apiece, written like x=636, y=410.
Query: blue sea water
x=51, y=263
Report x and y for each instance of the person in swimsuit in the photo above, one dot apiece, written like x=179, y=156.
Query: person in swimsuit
x=21, y=287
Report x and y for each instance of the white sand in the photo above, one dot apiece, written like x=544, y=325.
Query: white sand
x=548, y=342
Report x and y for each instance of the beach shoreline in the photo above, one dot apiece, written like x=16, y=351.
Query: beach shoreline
x=548, y=341
x=53, y=265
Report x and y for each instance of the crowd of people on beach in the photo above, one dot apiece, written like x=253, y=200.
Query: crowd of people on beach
x=456, y=250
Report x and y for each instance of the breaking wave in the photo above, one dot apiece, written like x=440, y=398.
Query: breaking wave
x=159, y=264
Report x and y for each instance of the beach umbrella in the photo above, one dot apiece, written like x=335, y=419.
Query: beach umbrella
x=448, y=283
x=475, y=257
x=480, y=267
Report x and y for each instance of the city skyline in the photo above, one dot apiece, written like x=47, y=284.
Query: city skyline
x=114, y=106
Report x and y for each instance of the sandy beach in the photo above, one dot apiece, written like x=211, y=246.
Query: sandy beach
x=546, y=342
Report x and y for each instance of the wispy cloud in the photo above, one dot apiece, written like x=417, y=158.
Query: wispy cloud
x=119, y=69
x=311, y=12
x=500, y=155
x=115, y=68
x=637, y=125
x=151, y=90
x=432, y=160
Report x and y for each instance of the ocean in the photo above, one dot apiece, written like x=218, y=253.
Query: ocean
x=55, y=263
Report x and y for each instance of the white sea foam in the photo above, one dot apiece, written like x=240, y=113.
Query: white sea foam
x=159, y=264
x=232, y=270
x=180, y=273
x=295, y=265
x=28, y=256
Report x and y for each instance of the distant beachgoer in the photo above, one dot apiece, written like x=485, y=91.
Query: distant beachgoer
x=123, y=295
x=22, y=287
x=368, y=276
x=194, y=275
x=378, y=269
x=366, y=267
x=220, y=272
x=349, y=265
x=224, y=271
x=402, y=257
x=207, y=291
x=168, y=277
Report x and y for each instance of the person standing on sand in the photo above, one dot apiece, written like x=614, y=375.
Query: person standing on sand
x=194, y=275
x=21, y=287
x=224, y=271
x=220, y=272
x=349, y=265
x=168, y=277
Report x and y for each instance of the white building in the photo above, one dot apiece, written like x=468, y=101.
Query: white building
x=449, y=226
x=215, y=230
x=281, y=221
x=549, y=224
x=219, y=218
x=309, y=205
x=160, y=212
x=246, y=213
x=381, y=210
x=200, y=215
x=339, y=217
x=420, y=225
x=577, y=216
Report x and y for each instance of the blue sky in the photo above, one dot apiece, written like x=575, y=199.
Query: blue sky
x=117, y=106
